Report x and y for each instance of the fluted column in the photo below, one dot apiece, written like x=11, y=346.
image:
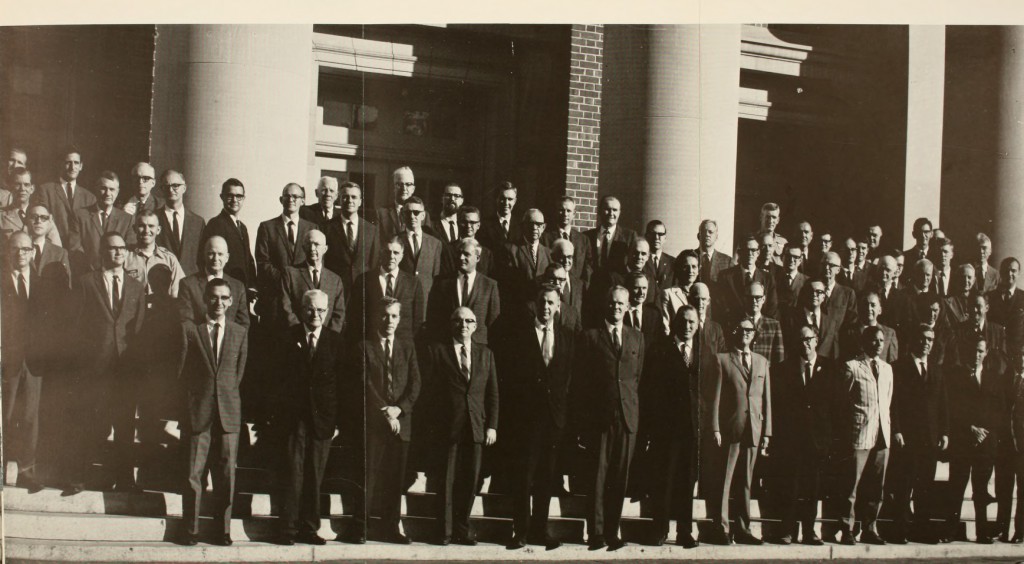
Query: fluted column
x=926, y=77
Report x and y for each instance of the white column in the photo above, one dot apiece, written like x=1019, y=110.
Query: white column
x=926, y=76
x=1008, y=159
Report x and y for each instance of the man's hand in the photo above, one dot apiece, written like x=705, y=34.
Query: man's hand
x=492, y=437
x=718, y=438
x=979, y=434
x=943, y=442
x=765, y=441
x=392, y=411
x=129, y=208
x=396, y=427
x=899, y=440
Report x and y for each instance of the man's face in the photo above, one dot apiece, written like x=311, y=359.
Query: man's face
x=72, y=166
x=174, y=186
x=873, y=307
x=967, y=279
x=808, y=343
x=233, y=197
x=749, y=254
x=767, y=249
x=874, y=344
x=792, y=259
x=469, y=256
x=850, y=256
x=923, y=343
x=314, y=310
x=463, y=324
x=900, y=261
x=566, y=213
x=806, y=234
x=979, y=309
x=315, y=247
x=20, y=252
x=22, y=188
x=391, y=256
x=107, y=192
x=638, y=255
x=745, y=333
x=817, y=294
x=770, y=220
x=946, y=254
x=469, y=224
x=826, y=242
x=984, y=251
x=533, y=227
x=656, y=237
x=703, y=300
x=931, y=314
x=1010, y=272
x=638, y=291
x=831, y=268
x=506, y=201
x=923, y=276
x=923, y=234
x=617, y=305
x=15, y=159
x=888, y=270
x=755, y=300
x=413, y=212
x=707, y=236
x=143, y=179
x=291, y=200
x=980, y=352
x=114, y=252
x=216, y=256
x=147, y=227
x=688, y=328
x=547, y=306
x=39, y=221
x=390, y=318
x=562, y=258
x=218, y=300
x=690, y=269
x=874, y=237
x=559, y=277
x=327, y=195
x=862, y=251
x=404, y=185
x=609, y=211
x=351, y=199
x=451, y=200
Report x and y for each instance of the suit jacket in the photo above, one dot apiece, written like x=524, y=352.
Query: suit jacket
x=670, y=391
x=768, y=340
x=308, y=388
x=742, y=400
x=54, y=264
x=211, y=387
x=427, y=265
x=405, y=384
x=297, y=281
x=387, y=221
x=803, y=410
x=731, y=291
x=923, y=414
x=153, y=203
x=450, y=261
x=473, y=403
x=621, y=240
x=788, y=293
x=366, y=295
x=580, y=267
x=963, y=334
x=607, y=382
x=105, y=338
x=857, y=281
x=709, y=271
x=650, y=323
x=273, y=254
x=53, y=196
x=830, y=330
x=842, y=303
x=850, y=344
x=187, y=250
x=1009, y=314
x=484, y=299
x=538, y=394
x=897, y=307
x=192, y=306
x=976, y=405
x=574, y=297
x=988, y=282
x=349, y=260
x=492, y=236
x=957, y=309
x=28, y=328
x=241, y=264
x=11, y=221
x=867, y=404
x=519, y=270
x=665, y=276
x=90, y=232
x=439, y=231
x=314, y=213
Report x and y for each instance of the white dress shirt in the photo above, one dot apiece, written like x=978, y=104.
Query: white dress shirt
x=384, y=281
x=458, y=284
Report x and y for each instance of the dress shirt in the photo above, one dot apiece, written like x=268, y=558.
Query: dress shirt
x=615, y=331
x=543, y=329
x=383, y=277
x=808, y=368
x=685, y=348
x=169, y=214
x=636, y=317
x=218, y=346
x=25, y=273
x=505, y=223
x=295, y=227
x=469, y=287
x=108, y=281
x=469, y=356
x=316, y=273
x=316, y=335
x=922, y=365
x=449, y=223
x=69, y=187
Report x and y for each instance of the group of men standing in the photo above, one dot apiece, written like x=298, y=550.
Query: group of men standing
x=788, y=362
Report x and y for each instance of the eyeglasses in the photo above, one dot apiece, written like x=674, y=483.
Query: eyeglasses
x=747, y=329
x=414, y=212
x=453, y=196
x=405, y=184
x=756, y=298
x=293, y=197
x=177, y=186
x=146, y=179
x=39, y=218
x=468, y=222
x=658, y=234
x=233, y=196
x=316, y=310
x=25, y=250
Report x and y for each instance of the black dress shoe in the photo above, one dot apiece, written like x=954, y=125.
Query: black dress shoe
x=397, y=538
x=659, y=540
x=848, y=540
x=985, y=539
x=749, y=539
x=516, y=543
x=813, y=540
x=871, y=537
x=310, y=538
x=785, y=540
x=720, y=538
x=551, y=544
x=1017, y=538
x=686, y=541
x=445, y=541
x=30, y=485
x=899, y=539
x=464, y=541
x=1004, y=537
x=616, y=543
x=285, y=540
x=188, y=540
x=73, y=489
x=356, y=538
x=224, y=540
x=597, y=543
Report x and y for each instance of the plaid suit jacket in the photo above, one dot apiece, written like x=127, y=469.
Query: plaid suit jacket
x=868, y=403
x=212, y=388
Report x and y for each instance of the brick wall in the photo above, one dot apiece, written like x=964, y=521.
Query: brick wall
x=581, y=161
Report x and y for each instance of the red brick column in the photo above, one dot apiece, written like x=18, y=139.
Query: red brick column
x=583, y=143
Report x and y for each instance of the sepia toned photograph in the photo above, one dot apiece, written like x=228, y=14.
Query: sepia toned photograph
x=290, y=292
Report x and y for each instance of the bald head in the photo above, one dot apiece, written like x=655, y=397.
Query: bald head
x=215, y=255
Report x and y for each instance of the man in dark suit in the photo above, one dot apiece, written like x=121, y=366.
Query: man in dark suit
x=28, y=305
x=1006, y=303
x=606, y=387
x=139, y=196
x=987, y=277
x=712, y=262
x=871, y=310
x=840, y=300
x=497, y=230
x=849, y=275
x=659, y=269
x=922, y=233
x=392, y=377
x=108, y=313
x=467, y=288
x=594, y=306
x=670, y=422
x=733, y=283
x=387, y=280
x=278, y=246
x=180, y=228
x=66, y=195
x=92, y=222
x=299, y=280
x=789, y=280
x=921, y=429
x=962, y=289
x=609, y=242
x=572, y=289
x=811, y=311
x=51, y=261
x=803, y=390
x=641, y=314
x=525, y=260
x=465, y=373
x=874, y=241
x=389, y=217
x=966, y=333
x=810, y=258
x=353, y=244
x=323, y=211
x=897, y=307
x=422, y=254
x=447, y=224
x=469, y=225
x=310, y=363
x=741, y=422
x=941, y=281
x=562, y=228
x=537, y=400
x=211, y=370
x=226, y=225
x=192, y=289
x=977, y=418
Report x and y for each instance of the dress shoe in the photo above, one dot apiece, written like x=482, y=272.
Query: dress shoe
x=188, y=540
x=30, y=484
x=985, y=539
x=310, y=538
x=464, y=541
x=813, y=540
x=516, y=543
x=356, y=538
x=848, y=540
x=73, y=489
x=616, y=543
x=785, y=540
x=660, y=540
x=898, y=539
x=871, y=537
x=1004, y=537
x=397, y=538
x=445, y=541
x=551, y=544
x=223, y=540
x=1017, y=538
x=720, y=538
x=686, y=541
x=749, y=539
x=285, y=540
x=597, y=543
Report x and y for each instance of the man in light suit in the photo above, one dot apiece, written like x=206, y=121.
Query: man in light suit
x=468, y=394
x=241, y=264
x=987, y=277
x=307, y=395
x=353, y=244
x=92, y=222
x=211, y=370
x=422, y=254
x=608, y=243
x=297, y=281
x=606, y=387
x=323, y=211
x=741, y=423
x=51, y=261
x=670, y=299
x=180, y=228
x=388, y=280
x=66, y=195
x=192, y=289
x=866, y=385
x=562, y=228
x=468, y=288
x=711, y=261
x=278, y=246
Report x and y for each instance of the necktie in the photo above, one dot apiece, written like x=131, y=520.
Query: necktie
x=504, y=227
x=924, y=370
x=216, y=349
x=564, y=235
x=687, y=354
x=415, y=245
x=533, y=254
x=465, y=289
x=316, y=278
x=547, y=348
x=616, y=341
x=39, y=256
x=176, y=230
x=291, y=233
x=103, y=220
x=814, y=319
x=807, y=373
x=391, y=286
x=115, y=294
x=71, y=196
x=351, y=234
x=22, y=288
x=328, y=214
x=635, y=314
x=604, y=247
x=655, y=259
x=464, y=361
x=940, y=284
x=387, y=371
x=749, y=278
x=452, y=234
x=238, y=225
x=746, y=361
x=874, y=369
x=312, y=344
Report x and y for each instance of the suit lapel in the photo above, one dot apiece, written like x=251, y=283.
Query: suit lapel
x=308, y=279
x=204, y=337
x=453, y=363
x=737, y=360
